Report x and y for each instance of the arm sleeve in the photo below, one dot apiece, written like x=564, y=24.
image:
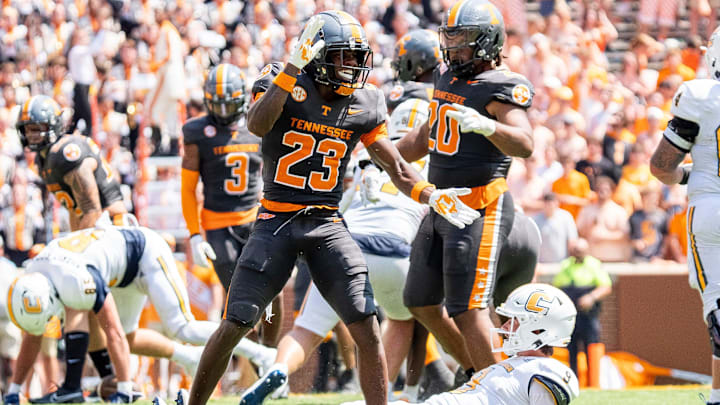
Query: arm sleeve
x=513, y=88
x=554, y=393
x=540, y=395
x=70, y=156
x=188, y=184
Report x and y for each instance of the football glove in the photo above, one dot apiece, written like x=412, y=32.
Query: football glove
x=446, y=203
x=304, y=50
x=201, y=251
x=11, y=399
x=472, y=121
x=370, y=186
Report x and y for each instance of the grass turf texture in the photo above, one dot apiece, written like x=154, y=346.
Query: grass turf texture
x=661, y=395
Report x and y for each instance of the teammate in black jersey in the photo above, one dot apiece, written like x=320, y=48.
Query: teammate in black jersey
x=70, y=165
x=310, y=121
x=416, y=56
x=477, y=121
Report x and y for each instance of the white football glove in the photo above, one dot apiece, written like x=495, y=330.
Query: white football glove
x=446, y=203
x=370, y=186
x=201, y=251
x=304, y=50
x=472, y=121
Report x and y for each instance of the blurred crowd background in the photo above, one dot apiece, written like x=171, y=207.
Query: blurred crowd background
x=129, y=73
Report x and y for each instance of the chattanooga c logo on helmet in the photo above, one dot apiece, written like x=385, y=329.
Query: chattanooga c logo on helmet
x=539, y=302
x=71, y=152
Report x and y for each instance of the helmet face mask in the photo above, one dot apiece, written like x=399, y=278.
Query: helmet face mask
x=538, y=315
x=472, y=30
x=225, y=97
x=40, y=123
x=345, y=62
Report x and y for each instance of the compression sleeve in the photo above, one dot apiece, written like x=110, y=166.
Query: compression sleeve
x=188, y=184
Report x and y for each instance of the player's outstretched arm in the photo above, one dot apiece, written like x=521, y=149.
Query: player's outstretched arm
x=117, y=343
x=85, y=192
x=445, y=201
x=266, y=110
x=414, y=145
x=665, y=164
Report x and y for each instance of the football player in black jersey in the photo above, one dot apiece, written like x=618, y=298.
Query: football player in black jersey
x=221, y=152
x=310, y=121
x=478, y=120
x=416, y=56
x=70, y=165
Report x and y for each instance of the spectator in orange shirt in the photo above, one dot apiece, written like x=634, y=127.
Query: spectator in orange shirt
x=667, y=89
x=674, y=65
x=693, y=53
x=675, y=244
x=637, y=169
x=573, y=188
x=605, y=225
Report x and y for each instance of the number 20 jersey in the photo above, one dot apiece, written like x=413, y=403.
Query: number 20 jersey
x=470, y=159
x=230, y=164
x=306, y=152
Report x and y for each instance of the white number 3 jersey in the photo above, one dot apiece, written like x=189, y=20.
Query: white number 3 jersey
x=516, y=381
x=698, y=101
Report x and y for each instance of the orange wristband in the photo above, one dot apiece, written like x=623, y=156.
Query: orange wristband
x=285, y=81
x=418, y=189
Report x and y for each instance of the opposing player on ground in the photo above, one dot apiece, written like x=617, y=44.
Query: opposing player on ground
x=693, y=130
x=540, y=317
x=478, y=120
x=129, y=264
x=416, y=55
x=310, y=121
x=70, y=165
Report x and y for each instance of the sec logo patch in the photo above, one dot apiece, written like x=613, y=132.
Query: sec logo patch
x=72, y=152
x=396, y=93
x=299, y=94
x=209, y=131
x=521, y=94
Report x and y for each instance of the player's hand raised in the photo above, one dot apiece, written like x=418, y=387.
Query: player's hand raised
x=304, y=50
x=472, y=121
x=446, y=203
x=201, y=251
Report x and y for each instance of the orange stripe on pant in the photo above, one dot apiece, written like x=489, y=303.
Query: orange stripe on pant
x=486, y=261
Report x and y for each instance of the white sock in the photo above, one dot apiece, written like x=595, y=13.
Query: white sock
x=412, y=392
x=391, y=396
x=250, y=350
x=714, y=395
x=186, y=356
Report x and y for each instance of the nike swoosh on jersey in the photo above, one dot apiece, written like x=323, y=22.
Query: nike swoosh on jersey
x=353, y=111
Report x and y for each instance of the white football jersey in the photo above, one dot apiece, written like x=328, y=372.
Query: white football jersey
x=509, y=383
x=65, y=262
x=699, y=101
x=394, y=215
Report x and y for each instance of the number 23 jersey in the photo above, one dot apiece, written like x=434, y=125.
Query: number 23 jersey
x=306, y=152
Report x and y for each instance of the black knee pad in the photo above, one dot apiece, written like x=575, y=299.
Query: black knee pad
x=242, y=313
x=714, y=330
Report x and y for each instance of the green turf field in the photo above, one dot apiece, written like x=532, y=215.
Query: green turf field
x=655, y=396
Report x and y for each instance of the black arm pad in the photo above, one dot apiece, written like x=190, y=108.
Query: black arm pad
x=687, y=130
x=561, y=395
